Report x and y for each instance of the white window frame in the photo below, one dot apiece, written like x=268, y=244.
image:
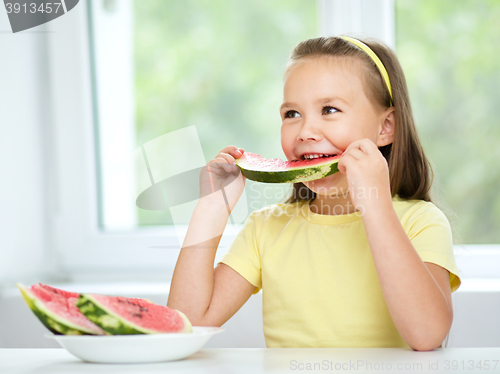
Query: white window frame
x=83, y=249
x=374, y=18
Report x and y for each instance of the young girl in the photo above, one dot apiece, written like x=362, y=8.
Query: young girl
x=361, y=258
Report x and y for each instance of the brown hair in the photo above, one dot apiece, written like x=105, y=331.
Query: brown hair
x=410, y=171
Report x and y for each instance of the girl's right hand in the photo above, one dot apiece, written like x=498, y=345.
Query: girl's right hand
x=222, y=173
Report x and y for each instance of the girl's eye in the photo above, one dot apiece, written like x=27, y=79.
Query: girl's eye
x=329, y=110
x=292, y=114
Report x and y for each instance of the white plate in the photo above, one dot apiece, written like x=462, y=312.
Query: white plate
x=136, y=348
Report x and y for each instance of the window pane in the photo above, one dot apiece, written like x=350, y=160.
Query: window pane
x=449, y=51
x=217, y=65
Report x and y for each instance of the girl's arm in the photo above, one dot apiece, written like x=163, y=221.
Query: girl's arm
x=417, y=295
x=206, y=296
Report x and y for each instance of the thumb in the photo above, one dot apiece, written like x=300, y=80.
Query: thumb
x=341, y=166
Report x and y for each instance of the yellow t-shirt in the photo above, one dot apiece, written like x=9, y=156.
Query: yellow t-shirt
x=319, y=283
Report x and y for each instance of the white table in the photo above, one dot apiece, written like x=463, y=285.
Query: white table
x=267, y=360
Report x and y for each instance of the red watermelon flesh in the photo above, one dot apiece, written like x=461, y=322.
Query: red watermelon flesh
x=142, y=314
x=61, y=305
x=275, y=164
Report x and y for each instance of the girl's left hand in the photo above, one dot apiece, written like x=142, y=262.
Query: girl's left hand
x=367, y=174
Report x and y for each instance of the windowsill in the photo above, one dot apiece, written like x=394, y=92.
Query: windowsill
x=480, y=285
x=127, y=289
x=145, y=289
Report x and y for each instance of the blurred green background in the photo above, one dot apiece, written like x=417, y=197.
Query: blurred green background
x=220, y=68
x=450, y=52
x=218, y=65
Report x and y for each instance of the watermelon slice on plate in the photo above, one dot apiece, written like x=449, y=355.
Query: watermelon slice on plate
x=57, y=310
x=260, y=169
x=123, y=316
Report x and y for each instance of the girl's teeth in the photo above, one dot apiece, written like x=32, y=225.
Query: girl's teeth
x=313, y=156
x=309, y=157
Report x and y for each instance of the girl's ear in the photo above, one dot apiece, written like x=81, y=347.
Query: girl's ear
x=386, y=132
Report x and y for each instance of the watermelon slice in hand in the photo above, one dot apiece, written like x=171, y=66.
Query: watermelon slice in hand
x=260, y=169
x=122, y=316
x=57, y=310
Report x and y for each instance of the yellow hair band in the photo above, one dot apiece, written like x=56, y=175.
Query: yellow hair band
x=375, y=59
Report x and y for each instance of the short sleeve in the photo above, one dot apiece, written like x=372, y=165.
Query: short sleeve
x=430, y=233
x=243, y=254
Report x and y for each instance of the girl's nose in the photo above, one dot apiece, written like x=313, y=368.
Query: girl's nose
x=309, y=131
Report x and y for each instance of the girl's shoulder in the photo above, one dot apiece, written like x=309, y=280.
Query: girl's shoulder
x=412, y=210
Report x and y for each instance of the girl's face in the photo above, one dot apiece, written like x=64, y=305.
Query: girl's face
x=325, y=108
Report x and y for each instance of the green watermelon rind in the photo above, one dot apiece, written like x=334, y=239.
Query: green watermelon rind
x=50, y=320
x=111, y=322
x=293, y=175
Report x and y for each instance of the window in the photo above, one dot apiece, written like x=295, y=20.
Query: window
x=182, y=80
x=449, y=51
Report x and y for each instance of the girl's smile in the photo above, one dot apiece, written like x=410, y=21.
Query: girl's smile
x=326, y=108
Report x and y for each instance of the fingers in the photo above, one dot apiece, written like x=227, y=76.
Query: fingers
x=226, y=158
x=358, y=151
x=365, y=145
x=221, y=162
x=355, y=153
x=352, y=153
x=232, y=151
x=344, y=163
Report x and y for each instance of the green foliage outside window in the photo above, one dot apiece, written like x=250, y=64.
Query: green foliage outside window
x=218, y=65
x=450, y=54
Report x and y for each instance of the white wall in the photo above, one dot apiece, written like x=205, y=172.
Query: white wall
x=23, y=154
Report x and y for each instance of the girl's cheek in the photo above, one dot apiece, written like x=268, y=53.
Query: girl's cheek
x=284, y=141
x=287, y=146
